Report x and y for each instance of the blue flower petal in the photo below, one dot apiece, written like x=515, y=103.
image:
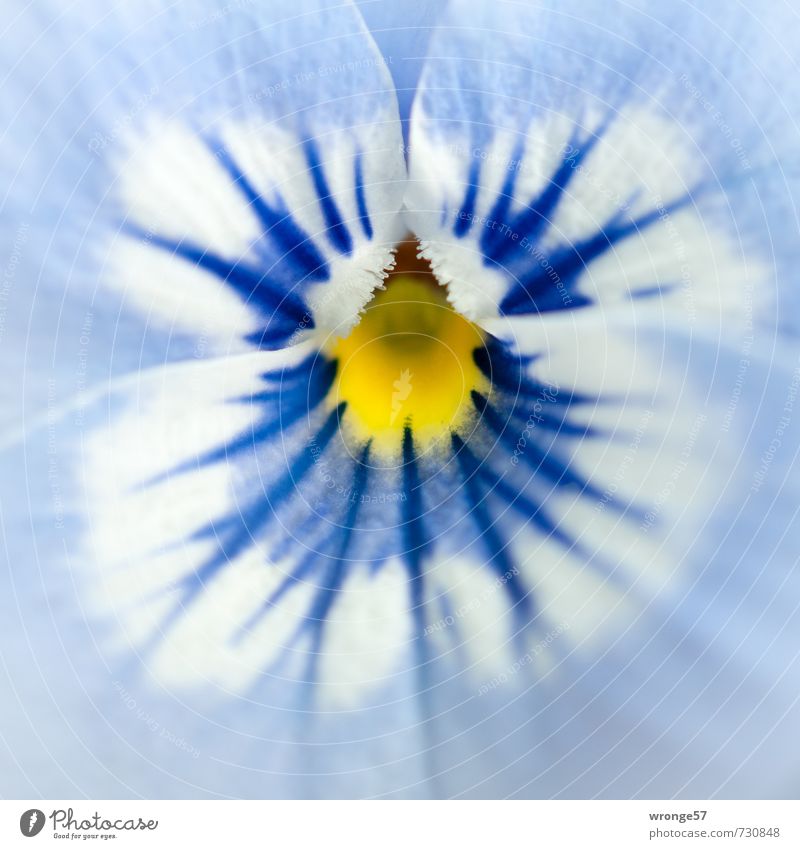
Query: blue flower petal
x=631, y=633
x=664, y=655
x=534, y=613
x=197, y=179
x=180, y=584
x=564, y=156
x=188, y=188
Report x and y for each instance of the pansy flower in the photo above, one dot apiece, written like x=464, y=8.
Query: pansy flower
x=401, y=401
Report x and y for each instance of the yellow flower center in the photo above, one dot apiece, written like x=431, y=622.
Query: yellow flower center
x=409, y=361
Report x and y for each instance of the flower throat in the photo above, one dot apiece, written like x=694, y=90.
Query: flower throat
x=407, y=363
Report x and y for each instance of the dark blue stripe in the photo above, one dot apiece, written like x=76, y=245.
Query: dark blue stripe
x=537, y=290
x=415, y=546
x=361, y=198
x=530, y=510
x=312, y=562
x=310, y=380
x=295, y=403
x=466, y=215
x=292, y=241
x=496, y=243
x=336, y=572
x=267, y=341
x=490, y=238
x=292, y=373
x=499, y=558
x=338, y=234
x=541, y=461
x=415, y=541
x=523, y=414
x=506, y=370
x=284, y=309
x=251, y=520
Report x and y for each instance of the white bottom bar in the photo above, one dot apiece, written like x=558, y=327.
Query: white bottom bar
x=400, y=825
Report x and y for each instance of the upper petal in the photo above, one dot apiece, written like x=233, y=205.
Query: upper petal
x=564, y=155
x=211, y=174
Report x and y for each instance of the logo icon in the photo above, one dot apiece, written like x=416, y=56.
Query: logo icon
x=31, y=822
x=402, y=389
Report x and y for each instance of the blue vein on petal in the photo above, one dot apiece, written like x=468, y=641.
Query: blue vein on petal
x=300, y=390
x=286, y=258
x=535, y=291
x=297, y=391
x=524, y=403
x=416, y=545
x=336, y=570
x=292, y=243
x=361, y=198
x=310, y=562
x=283, y=310
x=532, y=220
x=337, y=232
x=542, y=461
x=415, y=539
x=499, y=557
x=466, y=214
x=546, y=280
x=254, y=517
